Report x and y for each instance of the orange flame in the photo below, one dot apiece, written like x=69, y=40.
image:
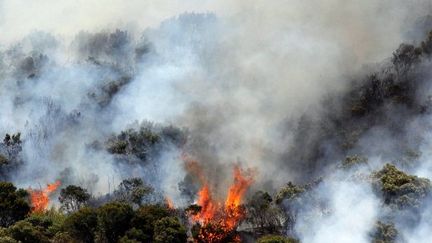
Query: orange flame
x=218, y=220
x=169, y=203
x=40, y=198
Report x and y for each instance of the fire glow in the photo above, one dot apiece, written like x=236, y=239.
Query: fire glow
x=218, y=220
x=40, y=198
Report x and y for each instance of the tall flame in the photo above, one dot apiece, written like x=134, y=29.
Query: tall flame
x=40, y=198
x=218, y=220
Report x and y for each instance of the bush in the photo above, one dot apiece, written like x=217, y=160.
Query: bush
x=290, y=191
x=276, y=239
x=400, y=189
x=13, y=204
x=25, y=232
x=169, y=230
x=384, y=233
x=146, y=216
x=82, y=224
x=114, y=220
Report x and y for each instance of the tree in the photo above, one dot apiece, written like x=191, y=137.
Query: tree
x=24, y=231
x=276, y=239
x=114, y=220
x=169, y=230
x=290, y=191
x=132, y=190
x=384, y=233
x=13, y=204
x=73, y=198
x=399, y=189
x=263, y=214
x=82, y=224
x=146, y=216
x=48, y=223
x=135, y=235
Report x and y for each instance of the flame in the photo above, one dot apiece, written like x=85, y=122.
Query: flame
x=208, y=207
x=219, y=220
x=169, y=203
x=40, y=198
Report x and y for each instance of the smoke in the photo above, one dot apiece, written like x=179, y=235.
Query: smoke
x=267, y=85
x=349, y=216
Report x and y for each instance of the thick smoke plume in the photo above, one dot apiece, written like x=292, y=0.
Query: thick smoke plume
x=288, y=88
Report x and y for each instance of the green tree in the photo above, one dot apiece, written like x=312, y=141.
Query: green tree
x=73, y=198
x=169, y=230
x=290, y=191
x=146, y=216
x=81, y=225
x=132, y=191
x=400, y=189
x=384, y=233
x=24, y=231
x=114, y=220
x=263, y=214
x=49, y=223
x=135, y=235
x=276, y=239
x=13, y=204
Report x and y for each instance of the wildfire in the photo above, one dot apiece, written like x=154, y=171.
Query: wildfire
x=169, y=203
x=40, y=198
x=219, y=220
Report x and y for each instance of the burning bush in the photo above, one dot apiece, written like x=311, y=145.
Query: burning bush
x=40, y=198
x=216, y=221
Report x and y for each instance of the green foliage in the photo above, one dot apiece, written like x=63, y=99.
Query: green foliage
x=169, y=230
x=13, y=204
x=114, y=220
x=48, y=223
x=276, y=239
x=73, y=198
x=135, y=235
x=145, y=141
x=384, y=233
x=146, y=217
x=354, y=160
x=7, y=239
x=132, y=191
x=63, y=237
x=290, y=191
x=263, y=214
x=138, y=143
x=82, y=224
x=26, y=232
x=399, y=189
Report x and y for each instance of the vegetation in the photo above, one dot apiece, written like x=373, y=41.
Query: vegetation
x=384, y=233
x=399, y=189
x=132, y=191
x=263, y=214
x=146, y=141
x=13, y=204
x=276, y=239
x=73, y=198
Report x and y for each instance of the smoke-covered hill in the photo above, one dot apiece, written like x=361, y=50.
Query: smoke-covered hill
x=216, y=121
